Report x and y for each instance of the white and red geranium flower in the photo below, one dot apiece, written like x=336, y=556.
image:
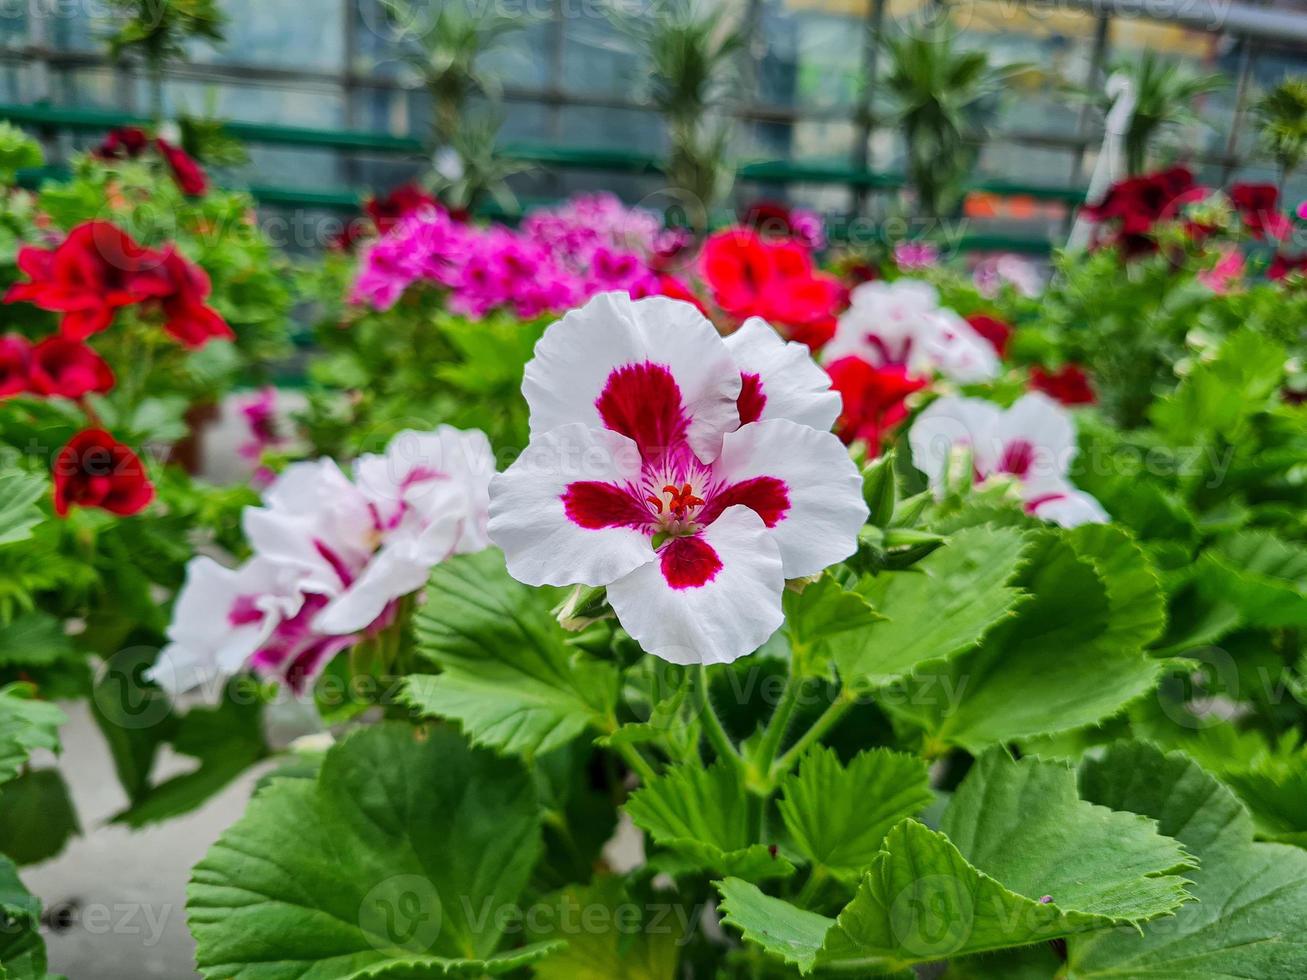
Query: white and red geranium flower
x=1032, y=443
x=689, y=474
x=331, y=558
x=901, y=323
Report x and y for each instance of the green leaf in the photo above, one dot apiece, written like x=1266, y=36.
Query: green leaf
x=1263, y=577
x=1220, y=396
x=226, y=740
x=1073, y=655
x=399, y=859
x=608, y=934
x=34, y=640
x=19, y=493
x=838, y=816
x=823, y=610
x=1247, y=920
x=1031, y=862
x=940, y=608
x=701, y=813
x=25, y=725
x=508, y=677
x=37, y=819
x=22, y=952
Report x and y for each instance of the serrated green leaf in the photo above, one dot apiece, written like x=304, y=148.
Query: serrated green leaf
x=19, y=493
x=406, y=849
x=607, y=934
x=508, y=676
x=1262, y=577
x=1247, y=920
x=822, y=611
x=1069, y=866
x=1073, y=655
x=25, y=725
x=435, y=967
x=701, y=813
x=22, y=951
x=33, y=640
x=838, y=816
x=943, y=606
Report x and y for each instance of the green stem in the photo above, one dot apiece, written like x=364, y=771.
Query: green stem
x=779, y=723
x=637, y=762
x=808, y=893
x=712, y=725
x=828, y=720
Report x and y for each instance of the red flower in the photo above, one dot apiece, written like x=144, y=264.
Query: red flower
x=15, y=359
x=1136, y=204
x=67, y=368
x=873, y=399
x=1070, y=385
x=123, y=143
x=774, y=280
x=1282, y=265
x=97, y=269
x=992, y=329
x=186, y=315
x=387, y=211
x=189, y=175
x=95, y=470
x=676, y=289
x=1258, y=207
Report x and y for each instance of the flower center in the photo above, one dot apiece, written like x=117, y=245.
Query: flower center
x=675, y=507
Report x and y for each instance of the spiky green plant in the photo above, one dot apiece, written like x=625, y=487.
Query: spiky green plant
x=1164, y=92
x=692, y=64
x=158, y=30
x=932, y=89
x=447, y=51
x=1282, y=121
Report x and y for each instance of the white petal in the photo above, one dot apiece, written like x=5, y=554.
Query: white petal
x=1071, y=509
x=725, y=619
x=541, y=544
x=953, y=347
x=949, y=422
x=824, y=487
x=895, y=312
x=1042, y=423
x=794, y=386
x=401, y=567
x=578, y=353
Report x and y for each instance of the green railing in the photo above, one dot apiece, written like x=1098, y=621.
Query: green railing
x=89, y=119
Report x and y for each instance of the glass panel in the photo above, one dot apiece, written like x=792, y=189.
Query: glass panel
x=811, y=52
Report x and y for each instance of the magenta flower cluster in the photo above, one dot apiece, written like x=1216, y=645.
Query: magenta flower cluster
x=557, y=259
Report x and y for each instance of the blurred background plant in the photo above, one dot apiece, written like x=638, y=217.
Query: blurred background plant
x=1282, y=120
x=935, y=92
x=157, y=31
x=694, y=73
x=444, y=43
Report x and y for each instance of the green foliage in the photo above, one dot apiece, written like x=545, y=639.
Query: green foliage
x=1282, y=122
x=1164, y=92
x=397, y=860
x=18, y=151
x=507, y=676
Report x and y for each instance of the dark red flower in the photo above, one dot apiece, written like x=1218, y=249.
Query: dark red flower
x=1258, y=207
x=96, y=270
x=749, y=276
x=15, y=360
x=95, y=470
x=68, y=368
x=873, y=399
x=186, y=171
x=123, y=143
x=1282, y=265
x=992, y=329
x=773, y=220
x=1133, y=206
x=187, y=317
x=404, y=200
x=1069, y=385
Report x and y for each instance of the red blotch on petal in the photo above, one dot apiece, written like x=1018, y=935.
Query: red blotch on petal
x=643, y=402
x=752, y=399
x=594, y=505
x=767, y=496
x=688, y=563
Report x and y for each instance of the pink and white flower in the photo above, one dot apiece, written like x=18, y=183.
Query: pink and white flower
x=640, y=475
x=1032, y=444
x=901, y=323
x=332, y=556
x=993, y=273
